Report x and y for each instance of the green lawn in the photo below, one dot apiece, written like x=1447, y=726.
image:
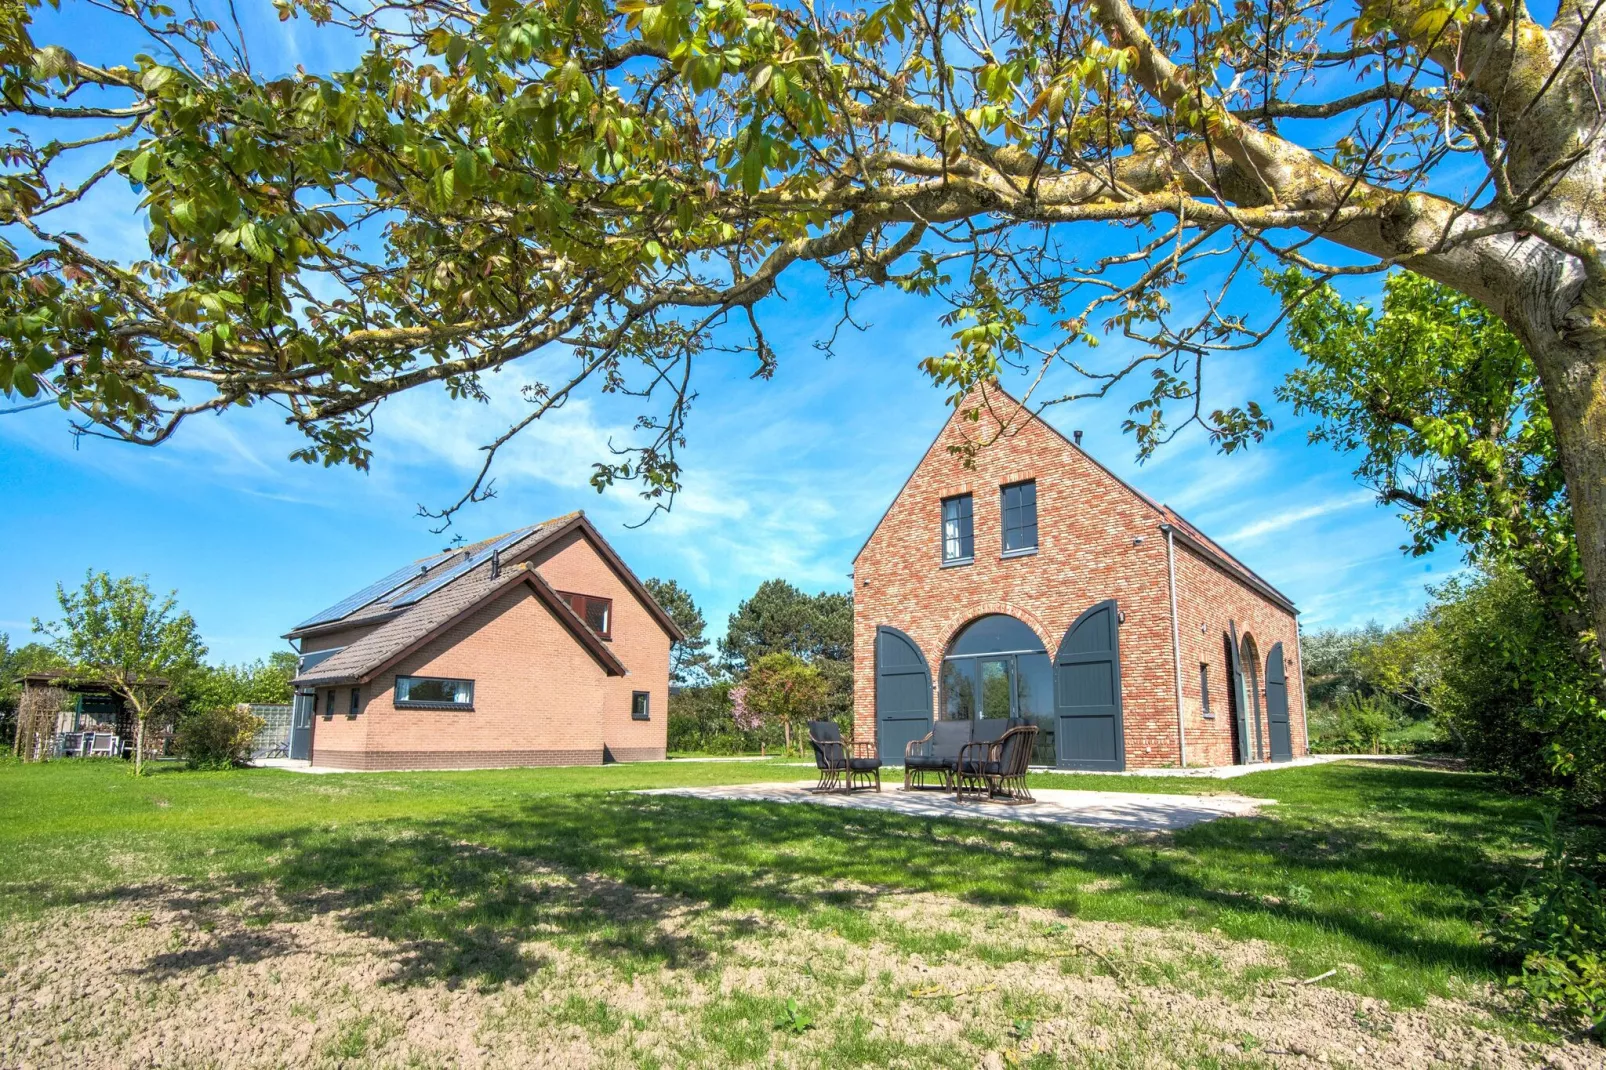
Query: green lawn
x=1378, y=867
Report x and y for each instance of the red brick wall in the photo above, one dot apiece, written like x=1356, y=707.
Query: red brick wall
x=538, y=698
x=1207, y=599
x=572, y=564
x=1097, y=540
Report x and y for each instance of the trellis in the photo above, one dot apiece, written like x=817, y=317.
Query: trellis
x=38, y=712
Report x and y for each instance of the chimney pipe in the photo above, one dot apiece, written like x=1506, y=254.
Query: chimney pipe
x=1077, y=435
x=496, y=563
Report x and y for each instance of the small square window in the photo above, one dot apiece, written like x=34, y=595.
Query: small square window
x=640, y=705
x=958, y=533
x=594, y=610
x=1020, y=517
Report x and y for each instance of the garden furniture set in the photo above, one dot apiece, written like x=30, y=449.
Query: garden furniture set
x=986, y=759
x=984, y=762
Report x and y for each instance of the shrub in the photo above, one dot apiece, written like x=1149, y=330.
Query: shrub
x=1520, y=695
x=1554, y=925
x=1355, y=724
x=218, y=739
x=701, y=720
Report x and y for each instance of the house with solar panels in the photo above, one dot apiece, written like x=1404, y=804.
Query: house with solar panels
x=537, y=647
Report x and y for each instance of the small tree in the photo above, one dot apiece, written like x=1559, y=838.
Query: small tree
x=116, y=633
x=784, y=688
x=215, y=687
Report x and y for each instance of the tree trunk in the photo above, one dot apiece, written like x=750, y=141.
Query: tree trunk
x=786, y=728
x=139, y=743
x=1574, y=379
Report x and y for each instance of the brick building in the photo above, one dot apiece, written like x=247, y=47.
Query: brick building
x=538, y=647
x=1036, y=583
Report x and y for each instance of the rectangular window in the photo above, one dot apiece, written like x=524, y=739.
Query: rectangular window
x=356, y=700
x=1204, y=688
x=1020, y=517
x=432, y=692
x=594, y=610
x=640, y=702
x=958, y=542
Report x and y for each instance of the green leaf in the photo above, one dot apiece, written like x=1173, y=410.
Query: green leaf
x=156, y=77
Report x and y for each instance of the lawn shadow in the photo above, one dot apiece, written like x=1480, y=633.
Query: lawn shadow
x=643, y=882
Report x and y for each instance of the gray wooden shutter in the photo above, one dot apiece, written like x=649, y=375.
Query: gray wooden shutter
x=902, y=693
x=1282, y=743
x=1087, y=692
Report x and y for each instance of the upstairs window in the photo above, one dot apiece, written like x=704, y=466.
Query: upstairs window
x=356, y=701
x=595, y=611
x=958, y=542
x=434, y=692
x=1020, y=517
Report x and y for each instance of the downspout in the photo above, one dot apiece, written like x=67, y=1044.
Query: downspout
x=1304, y=701
x=1176, y=648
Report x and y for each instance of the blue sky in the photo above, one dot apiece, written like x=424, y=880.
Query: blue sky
x=783, y=478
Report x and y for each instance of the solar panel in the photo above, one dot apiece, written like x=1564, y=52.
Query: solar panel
x=370, y=594
x=450, y=573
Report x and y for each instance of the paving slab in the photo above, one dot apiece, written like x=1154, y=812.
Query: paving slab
x=1055, y=806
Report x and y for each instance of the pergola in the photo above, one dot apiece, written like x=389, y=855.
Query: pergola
x=55, y=701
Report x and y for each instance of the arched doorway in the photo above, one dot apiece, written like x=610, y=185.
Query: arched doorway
x=1249, y=653
x=1240, y=698
x=997, y=668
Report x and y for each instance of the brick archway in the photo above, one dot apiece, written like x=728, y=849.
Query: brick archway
x=956, y=624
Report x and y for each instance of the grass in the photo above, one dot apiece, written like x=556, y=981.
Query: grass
x=1379, y=867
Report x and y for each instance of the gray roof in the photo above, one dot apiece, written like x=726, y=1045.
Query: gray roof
x=400, y=628
x=403, y=627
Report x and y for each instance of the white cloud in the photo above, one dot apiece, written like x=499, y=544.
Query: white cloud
x=1288, y=518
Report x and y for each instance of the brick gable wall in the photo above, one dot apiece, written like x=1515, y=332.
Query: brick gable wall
x=538, y=699
x=1097, y=540
x=572, y=564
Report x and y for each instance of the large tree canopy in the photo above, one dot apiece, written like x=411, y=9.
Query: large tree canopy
x=628, y=180
x=1442, y=409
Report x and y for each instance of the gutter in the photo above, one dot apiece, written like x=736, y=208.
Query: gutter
x=1243, y=576
x=1176, y=647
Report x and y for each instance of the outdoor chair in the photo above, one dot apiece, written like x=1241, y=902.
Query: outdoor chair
x=996, y=769
x=842, y=763
x=935, y=752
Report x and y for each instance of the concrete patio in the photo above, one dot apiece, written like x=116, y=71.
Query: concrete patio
x=1087, y=809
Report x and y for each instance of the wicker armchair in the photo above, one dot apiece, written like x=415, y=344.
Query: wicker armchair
x=843, y=764
x=997, y=769
x=936, y=752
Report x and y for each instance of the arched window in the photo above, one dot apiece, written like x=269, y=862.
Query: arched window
x=997, y=668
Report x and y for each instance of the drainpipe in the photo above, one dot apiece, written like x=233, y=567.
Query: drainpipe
x=1176, y=647
x=1304, y=702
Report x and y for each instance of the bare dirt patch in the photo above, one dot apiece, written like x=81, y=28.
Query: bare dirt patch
x=168, y=980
